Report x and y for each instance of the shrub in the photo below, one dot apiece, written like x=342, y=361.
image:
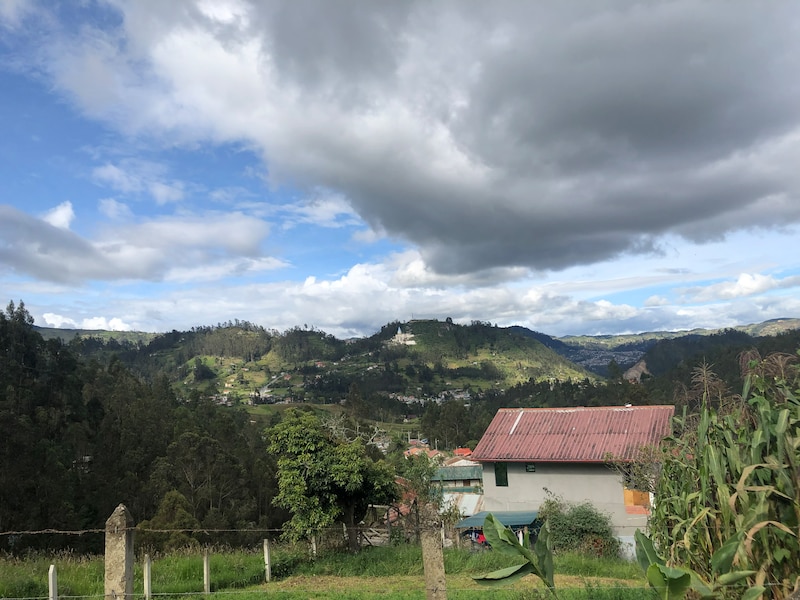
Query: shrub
x=579, y=528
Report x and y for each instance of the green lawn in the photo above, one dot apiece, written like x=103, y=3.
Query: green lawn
x=391, y=573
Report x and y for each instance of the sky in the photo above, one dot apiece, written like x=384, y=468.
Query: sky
x=591, y=167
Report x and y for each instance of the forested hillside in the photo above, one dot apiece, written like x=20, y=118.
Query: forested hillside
x=180, y=426
x=78, y=437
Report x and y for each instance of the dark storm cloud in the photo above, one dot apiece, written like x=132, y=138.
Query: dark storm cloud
x=585, y=130
x=505, y=134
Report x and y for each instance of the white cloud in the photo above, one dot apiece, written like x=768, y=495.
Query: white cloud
x=656, y=301
x=92, y=323
x=747, y=284
x=117, y=178
x=58, y=321
x=61, y=216
x=164, y=193
x=153, y=250
x=113, y=324
x=139, y=177
x=324, y=209
x=115, y=210
x=12, y=12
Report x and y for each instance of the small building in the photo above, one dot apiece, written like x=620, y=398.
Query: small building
x=530, y=452
x=464, y=477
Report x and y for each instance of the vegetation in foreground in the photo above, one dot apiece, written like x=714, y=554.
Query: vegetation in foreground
x=385, y=572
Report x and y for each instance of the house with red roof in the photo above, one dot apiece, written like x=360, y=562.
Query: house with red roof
x=527, y=452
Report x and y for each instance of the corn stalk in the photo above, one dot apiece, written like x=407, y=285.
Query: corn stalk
x=728, y=499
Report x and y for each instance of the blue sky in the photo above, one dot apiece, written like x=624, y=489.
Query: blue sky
x=576, y=168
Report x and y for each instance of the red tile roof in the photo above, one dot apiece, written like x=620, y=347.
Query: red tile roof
x=572, y=434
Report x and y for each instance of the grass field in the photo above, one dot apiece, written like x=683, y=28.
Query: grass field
x=390, y=573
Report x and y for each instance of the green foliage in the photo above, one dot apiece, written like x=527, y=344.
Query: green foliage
x=323, y=480
x=537, y=561
x=728, y=500
x=579, y=528
x=174, y=513
x=79, y=437
x=675, y=582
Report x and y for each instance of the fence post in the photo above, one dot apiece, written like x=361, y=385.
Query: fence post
x=52, y=583
x=432, y=555
x=119, y=555
x=206, y=572
x=314, y=546
x=267, y=561
x=148, y=578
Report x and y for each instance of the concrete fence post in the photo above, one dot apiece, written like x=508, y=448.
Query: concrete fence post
x=148, y=577
x=267, y=561
x=206, y=571
x=119, y=555
x=52, y=583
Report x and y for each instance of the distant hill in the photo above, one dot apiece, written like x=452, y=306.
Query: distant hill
x=67, y=335
x=415, y=359
x=596, y=352
x=427, y=356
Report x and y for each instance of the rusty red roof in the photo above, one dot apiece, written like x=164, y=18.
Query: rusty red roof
x=579, y=434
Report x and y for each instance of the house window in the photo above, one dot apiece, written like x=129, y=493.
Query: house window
x=501, y=474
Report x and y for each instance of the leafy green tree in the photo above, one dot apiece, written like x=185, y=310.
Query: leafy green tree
x=171, y=527
x=323, y=480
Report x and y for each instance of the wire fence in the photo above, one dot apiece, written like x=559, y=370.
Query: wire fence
x=251, y=582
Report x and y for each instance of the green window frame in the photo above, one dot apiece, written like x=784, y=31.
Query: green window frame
x=501, y=474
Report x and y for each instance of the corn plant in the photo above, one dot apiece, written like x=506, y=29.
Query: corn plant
x=538, y=561
x=728, y=499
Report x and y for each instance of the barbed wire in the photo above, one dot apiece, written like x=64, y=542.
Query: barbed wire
x=588, y=586
x=182, y=530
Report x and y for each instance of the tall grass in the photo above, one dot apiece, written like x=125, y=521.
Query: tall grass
x=381, y=572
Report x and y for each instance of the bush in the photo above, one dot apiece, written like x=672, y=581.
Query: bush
x=579, y=528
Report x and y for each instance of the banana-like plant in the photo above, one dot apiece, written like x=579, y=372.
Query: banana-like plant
x=537, y=561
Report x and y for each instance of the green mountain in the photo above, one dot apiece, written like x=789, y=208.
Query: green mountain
x=419, y=359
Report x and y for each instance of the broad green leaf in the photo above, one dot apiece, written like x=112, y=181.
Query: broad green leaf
x=722, y=560
x=544, y=556
x=734, y=577
x=754, y=593
x=701, y=586
x=669, y=583
x=497, y=535
x=646, y=554
x=504, y=576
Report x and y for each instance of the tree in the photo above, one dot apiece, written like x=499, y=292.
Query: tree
x=171, y=527
x=323, y=480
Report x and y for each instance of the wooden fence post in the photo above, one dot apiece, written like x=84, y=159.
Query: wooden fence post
x=148, y=578
x=52, y=583
x=267, y=562
x=119, y=555
x=432, y=555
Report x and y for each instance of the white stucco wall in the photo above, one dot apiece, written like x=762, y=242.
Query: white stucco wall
x=575, y=483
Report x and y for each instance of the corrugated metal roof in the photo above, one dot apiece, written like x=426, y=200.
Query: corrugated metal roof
x=468, y=504
x=507, y=518
x=458, y=473
x=572, y=434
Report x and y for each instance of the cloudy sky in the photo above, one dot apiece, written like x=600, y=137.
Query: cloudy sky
x=573, y=167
